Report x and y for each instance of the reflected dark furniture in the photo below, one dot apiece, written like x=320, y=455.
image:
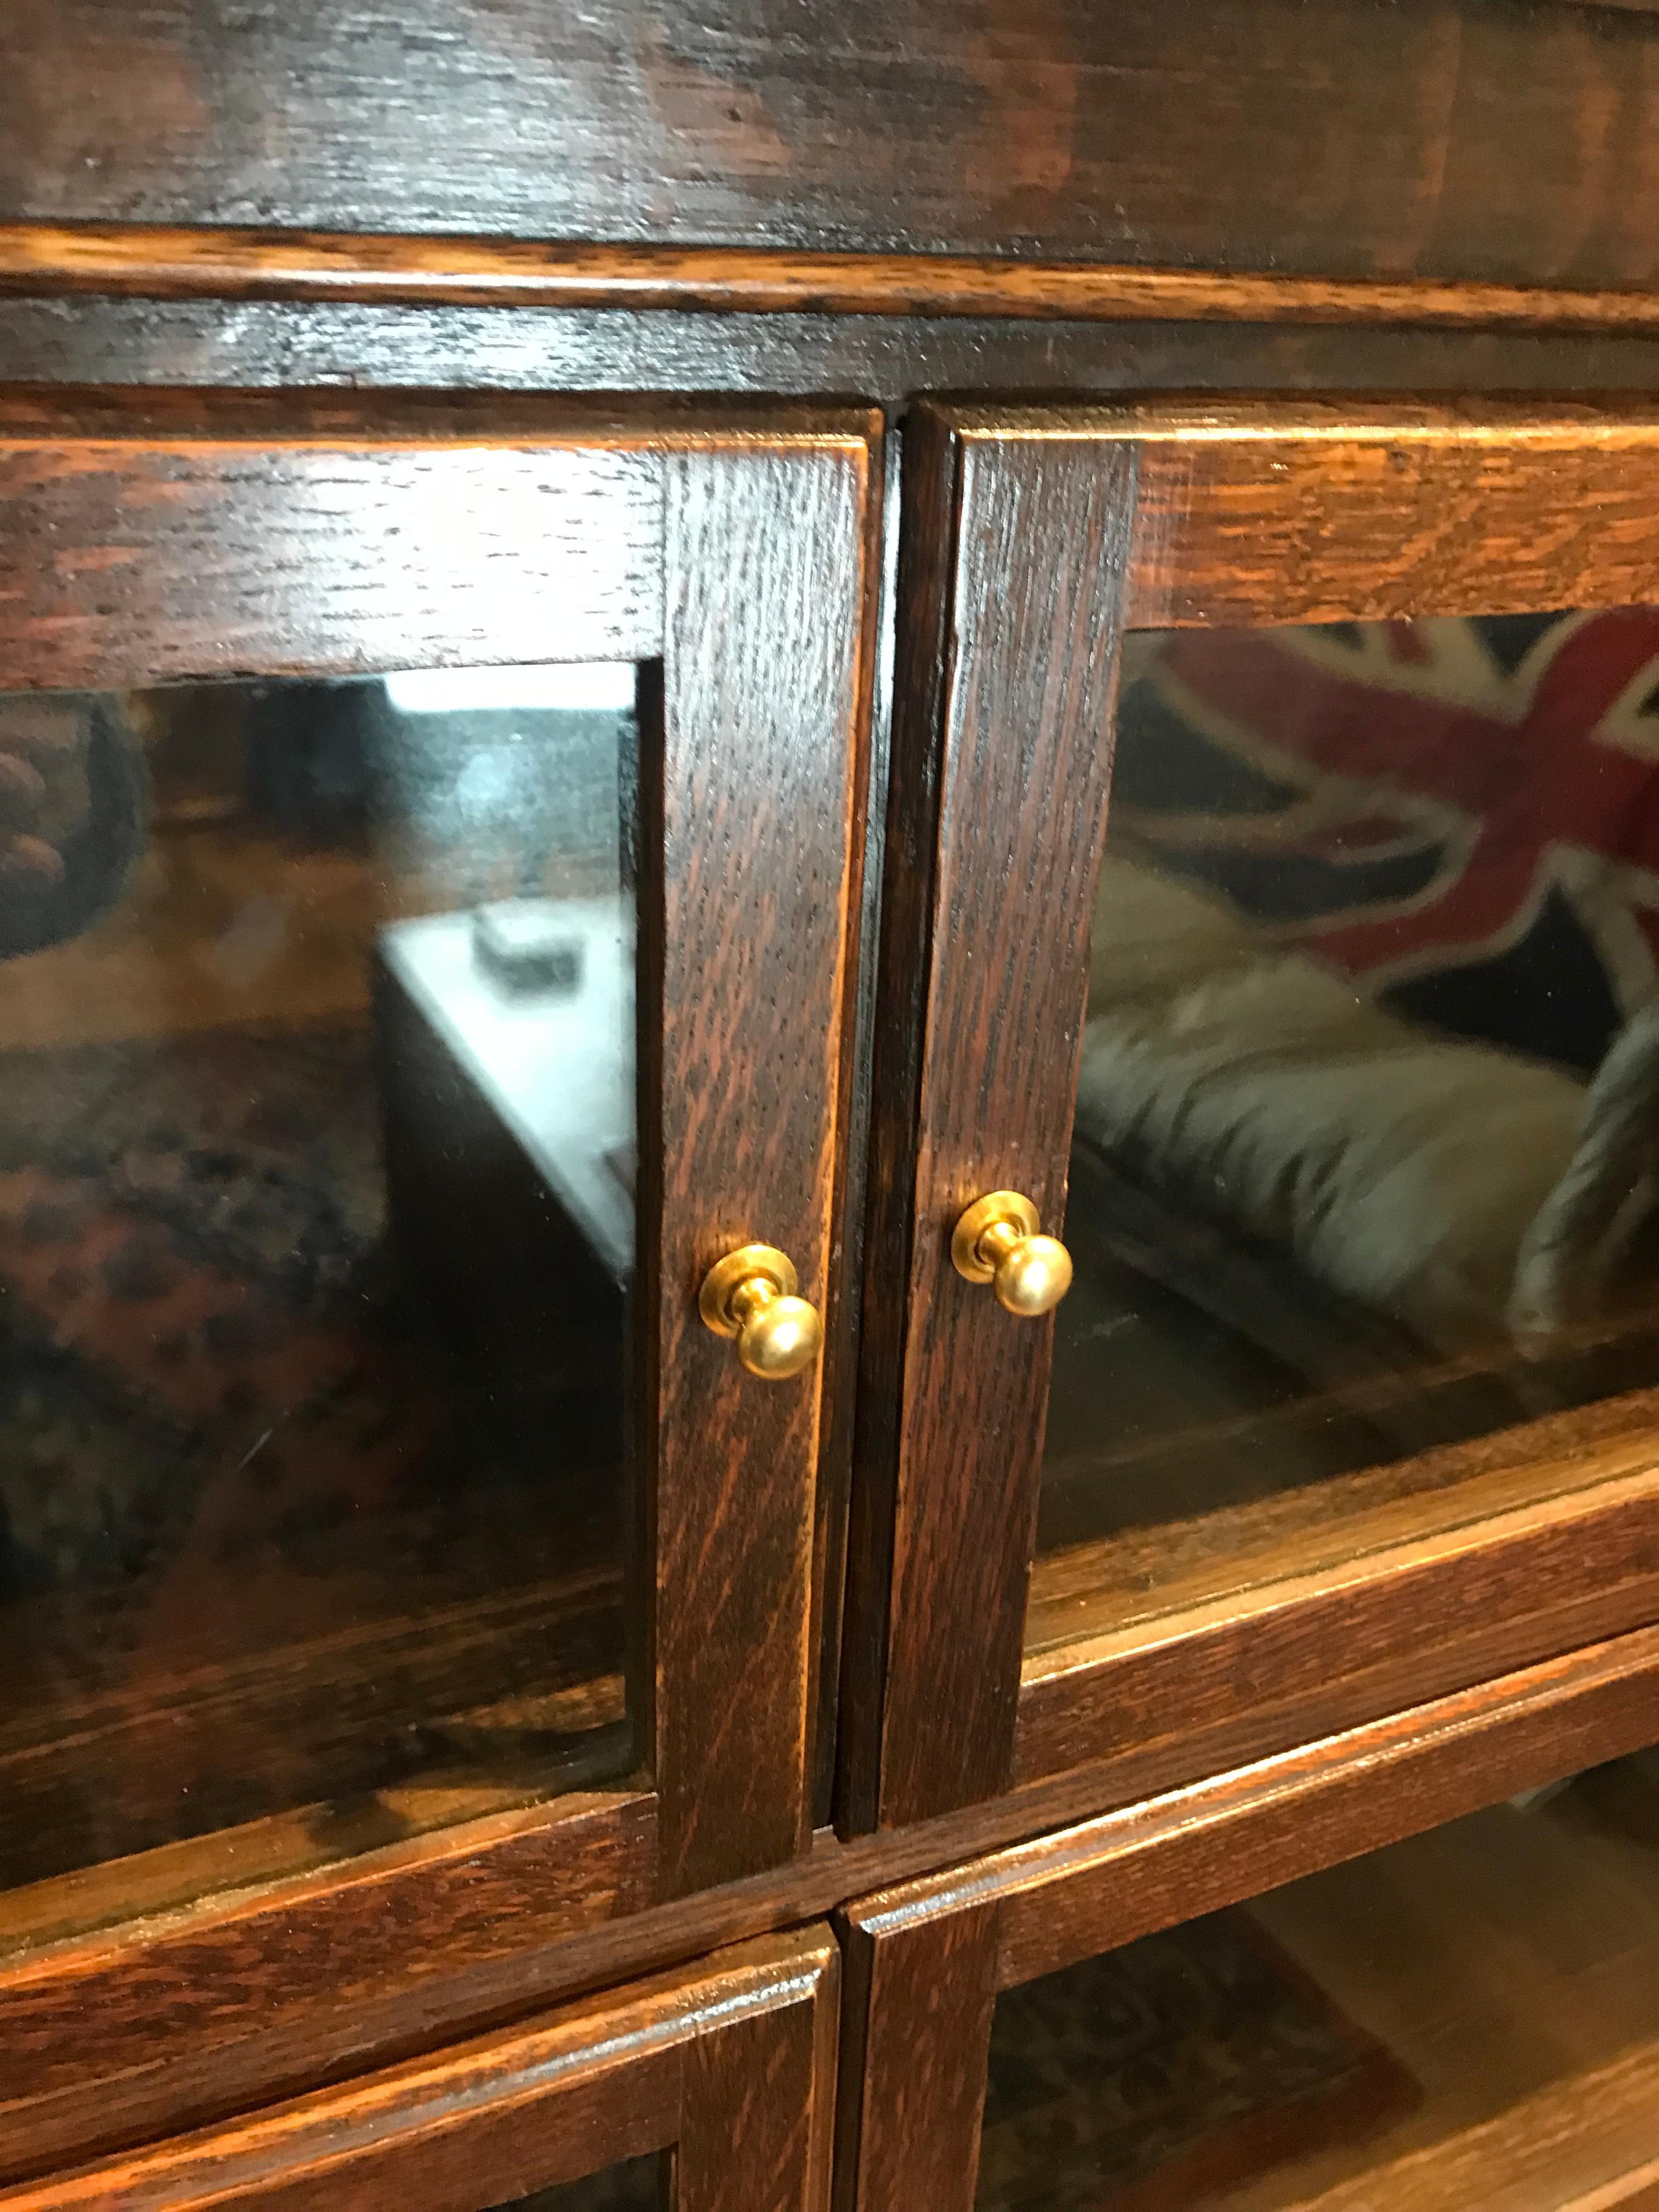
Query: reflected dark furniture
x=338, y=341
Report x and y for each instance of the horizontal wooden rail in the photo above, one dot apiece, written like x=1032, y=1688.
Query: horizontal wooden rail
x=158, y=262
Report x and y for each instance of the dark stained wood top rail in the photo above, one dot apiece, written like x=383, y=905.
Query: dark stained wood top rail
x=157, y=263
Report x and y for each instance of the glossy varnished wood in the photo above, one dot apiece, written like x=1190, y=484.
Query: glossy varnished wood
x=127, y=260
x=1227, y=511
x=1311, y=512
x=263, y=344
x=1460, y=139
x=729, y=2064
x=187, y=547
x=959, y=1937
x=919, y=1994
x=1014, y=556
x=763, y=697
x=728, y=550
x=492, y=1930
x=1560, y=1549
x=281, y=1983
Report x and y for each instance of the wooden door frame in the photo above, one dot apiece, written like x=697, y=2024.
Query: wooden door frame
x=145, y=536
x=729, y=2067
x=1030, y=538
x=926, y=1961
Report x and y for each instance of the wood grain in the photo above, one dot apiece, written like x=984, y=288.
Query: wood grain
x=254, y=1986
x=1506, y=1578
x=263, y=345
x=920, y=1996
x=843, y=1312
x=514, y=1948
x=1241, y=510
x=1007, y=1918
x=1458, y=139
x=1225, y=1840
x=984, y=954
x=757, y=2097
x=735, y=558
x=691, y=2059
x=156, y=262
x=765, y=676
x=1316, y=513
x=170, y=558
x=1312, y=510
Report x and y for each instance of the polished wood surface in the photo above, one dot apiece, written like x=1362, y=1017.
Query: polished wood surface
x=1088, y=1889
x=747, y=978
x=765, y=682
x=1325, y=513
x=533, y=1908
x=730, y=2063
x=1501, y=1965
x=125, y=260
x=1015, y=557
x=889, y=359
x=185, y=534
x=1231, y=510
x=1461, y=140
x=1549, y=1550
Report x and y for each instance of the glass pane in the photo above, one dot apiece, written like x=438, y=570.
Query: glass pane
x=1467, y=2019
x=317, y=1103
x=1368, y=1118
x=640, y=2185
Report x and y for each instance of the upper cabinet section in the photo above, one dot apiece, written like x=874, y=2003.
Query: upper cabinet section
x=1458, y=139
x=1327, y=1051
x=428, y=874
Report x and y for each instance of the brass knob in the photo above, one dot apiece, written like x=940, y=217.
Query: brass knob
x=996, y=1242
x=751, y=1295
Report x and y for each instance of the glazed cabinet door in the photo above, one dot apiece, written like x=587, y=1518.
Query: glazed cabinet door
x=1262, y=1287
x=429, y=838
x=1414, y=1965
x=708, y=2089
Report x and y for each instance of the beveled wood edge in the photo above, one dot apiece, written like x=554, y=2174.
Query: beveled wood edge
x=182, y=262
x=1403, y=1607
x=1247, y=418
x=646, y=423
x=527, y=2066
x=226, y=2068
x=1174, y=437
x=1107, y=1880
x=830, y=537
x=565, y=1828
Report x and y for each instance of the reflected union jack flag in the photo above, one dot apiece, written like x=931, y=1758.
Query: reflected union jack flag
x=1462, y=814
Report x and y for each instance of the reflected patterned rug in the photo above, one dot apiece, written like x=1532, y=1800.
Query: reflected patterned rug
x=1187, y=2063
x=229, y=1437
x=185, y=1234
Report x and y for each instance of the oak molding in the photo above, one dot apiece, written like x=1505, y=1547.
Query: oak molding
x=181, y=263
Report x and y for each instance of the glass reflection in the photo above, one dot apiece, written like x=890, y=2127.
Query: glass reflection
x=640, y=2185
x=1367, y=1132
x=1467, y=2019
x=317, y=1052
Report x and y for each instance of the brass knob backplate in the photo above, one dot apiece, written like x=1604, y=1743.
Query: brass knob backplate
x=751, y=1295
x=996, y=1242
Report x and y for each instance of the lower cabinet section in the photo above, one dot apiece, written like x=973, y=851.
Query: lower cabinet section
x=1464, y=2021
x=707, y=2090
x=1414, y=1966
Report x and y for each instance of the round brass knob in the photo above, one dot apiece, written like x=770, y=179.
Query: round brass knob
x=751, y=1295
x=996, y=1242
